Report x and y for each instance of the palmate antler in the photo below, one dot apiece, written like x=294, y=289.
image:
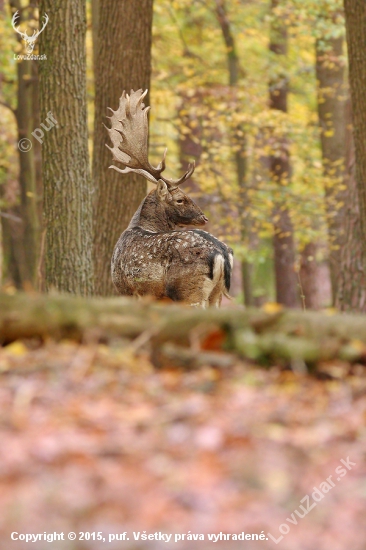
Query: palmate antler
x=129, y=134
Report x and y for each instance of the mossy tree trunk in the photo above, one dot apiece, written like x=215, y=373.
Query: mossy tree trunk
x=123, y=63
x=65, y=157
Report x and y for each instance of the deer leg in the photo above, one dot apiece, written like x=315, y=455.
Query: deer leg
x=216, y=296
x=207, y=288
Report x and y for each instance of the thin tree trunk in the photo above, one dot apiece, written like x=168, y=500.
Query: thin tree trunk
x=231, y=51
x=27, y=173
x=37, y=149
x=65, y=157
x=309, y=278
x=355, y=13
x=241, y=154
x=26, y=238
x=2, y=219
x=28, y=192
x=190, y=143
x=124, y=63
x=95, y=32
x=331, y=110
x=280, y=168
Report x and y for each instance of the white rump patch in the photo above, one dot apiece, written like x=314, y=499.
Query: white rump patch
x=218, y=268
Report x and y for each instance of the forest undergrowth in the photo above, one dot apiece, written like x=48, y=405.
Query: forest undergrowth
x=129, y=433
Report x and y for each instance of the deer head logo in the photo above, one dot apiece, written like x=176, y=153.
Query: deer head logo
x=29, y=40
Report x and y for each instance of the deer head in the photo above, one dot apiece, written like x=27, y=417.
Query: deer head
x=29, y=40
x=167, y=205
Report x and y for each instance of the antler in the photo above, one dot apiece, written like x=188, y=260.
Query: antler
x=129, y=134
x=13, y=22
x=44, y=24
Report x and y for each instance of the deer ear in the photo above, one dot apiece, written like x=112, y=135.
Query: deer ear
x=161, y=190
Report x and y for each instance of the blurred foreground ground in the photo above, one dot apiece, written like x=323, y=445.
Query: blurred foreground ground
x=93, y=438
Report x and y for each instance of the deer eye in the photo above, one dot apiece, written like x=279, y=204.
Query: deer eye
x=180, y=201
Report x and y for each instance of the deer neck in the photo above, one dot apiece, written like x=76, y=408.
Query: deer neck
x=151, y=215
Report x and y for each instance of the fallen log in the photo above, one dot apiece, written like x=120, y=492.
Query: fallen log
x=266, y=337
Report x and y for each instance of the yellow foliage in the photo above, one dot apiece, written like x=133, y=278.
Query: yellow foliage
x=16, y=349
x=272, y=307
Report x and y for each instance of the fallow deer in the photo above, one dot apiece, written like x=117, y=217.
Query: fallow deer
x=154, y=256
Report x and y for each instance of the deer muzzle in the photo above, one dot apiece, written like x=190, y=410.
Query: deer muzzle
x=202, y=220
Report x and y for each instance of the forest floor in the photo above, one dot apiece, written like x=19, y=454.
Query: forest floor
x=96, y=438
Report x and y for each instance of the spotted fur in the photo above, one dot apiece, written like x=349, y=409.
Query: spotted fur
x=153, y=257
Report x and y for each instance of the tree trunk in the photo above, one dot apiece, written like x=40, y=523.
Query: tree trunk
x=355, y=13
x=283, y=240
x=95, y=32
x=239, y=139
x=37, y=150
x=190, y=143
x=27, y=174
x=65, y=157
x=4, y=225
x=124, y=63
x=26, y=236
x=331, y=110
x=351, y=284
x=309, y=278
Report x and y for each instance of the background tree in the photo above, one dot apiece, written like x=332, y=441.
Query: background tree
x=351, y=284
x=239, y=143
x=351, y=288
x=65, y=157
x=280, y=171
x=22, y=227
x=332, y=95
x=95, y=31
x=355, y=13
x=123, y=63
